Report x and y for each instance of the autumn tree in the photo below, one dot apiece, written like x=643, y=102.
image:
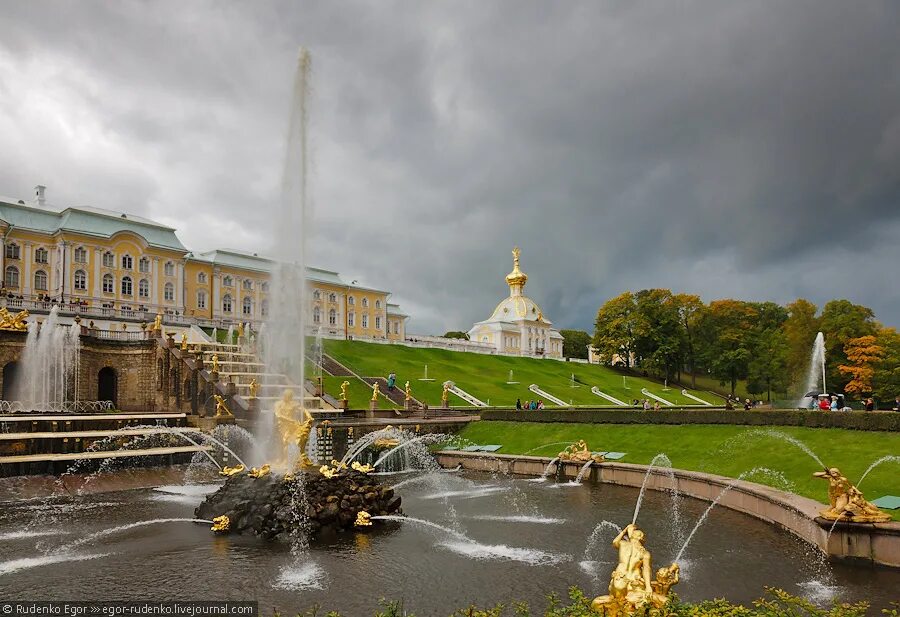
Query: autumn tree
x=800, y=331
x=575, y=343
x=729, y=328
x=841, y=321
x=863, y=354
x=614, y=329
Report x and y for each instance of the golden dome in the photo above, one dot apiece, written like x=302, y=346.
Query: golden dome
x=516, y=279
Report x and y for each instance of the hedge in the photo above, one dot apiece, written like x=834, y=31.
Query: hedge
x=856, y=420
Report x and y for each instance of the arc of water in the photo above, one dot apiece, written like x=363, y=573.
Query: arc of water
x=547, y=445
x=611, y=399
x=647, y=392
x=547, y=468
x=113, y=530
x=424, y=523
x=883, y=459
x=583, y=471
x=433, y=437
x=595, y=535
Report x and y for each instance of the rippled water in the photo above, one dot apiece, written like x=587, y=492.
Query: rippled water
x=493, y=539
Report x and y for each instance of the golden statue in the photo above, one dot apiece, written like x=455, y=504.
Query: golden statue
x=363, y=519
x=215, y=363
x=231, y=471
x=221, y=524
x=254, y=387
x=184, y=346
x=445, y=395
x=16, y=322
x=344, y=390
x=157, y=323
x=516, y=252
x=328, y=472
x=357, y=466
x=240, y=329
x=376, y=390
x=847, y=502
x=292, y=430
x=408, y=392
x=221, y=408
x=630, y=585
x=580, y=453
x=259, y=472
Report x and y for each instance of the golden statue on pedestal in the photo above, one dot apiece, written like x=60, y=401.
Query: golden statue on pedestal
x=376, y=390
x=240, y=330
x=184, y=346
x=221, y=409
x=157, y=323
x=847, y=502
x=215, y=363
x=259, y=472
x=445, y=395
x=408, y=392
x=254, y=387
x=631, y=586
x=344, y=390
x=363, y=519
x=16, y=322
x=580, y=452
x=292, y=430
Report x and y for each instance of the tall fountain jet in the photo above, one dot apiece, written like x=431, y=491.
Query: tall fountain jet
x=286, y=324
x=48, y=377
x=817, y=365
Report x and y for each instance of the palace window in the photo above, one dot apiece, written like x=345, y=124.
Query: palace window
x=317, y=295
x=378, y=304
x=109, y=260
x=127, y=262
x=80, y=280
x=144, y=265
x=264, y=287
x=12, y=251
x=351, y=319
x=169, y=292
x=40, y=280
x=228, y=281
x=365, y=320
x=396, y=327
x=108, y=284
x=80, y=255
x=351, y=300
x=332, y=297
x=378, y=322
x=248, y=306
x=11, y=276
x=170, y=268
x=40, y=255
x=365, y=303
x=317, y=315
x=143, y=288
x=264, y=308
x=226, y=303
x=126, y=286
x=201, y=299
x=332, y=317
x=201, y=278
x=248, y=285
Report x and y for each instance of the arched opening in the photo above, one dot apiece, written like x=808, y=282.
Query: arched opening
x=10, y=375
x=159, y=374
x=107, y=383
x=173, y=380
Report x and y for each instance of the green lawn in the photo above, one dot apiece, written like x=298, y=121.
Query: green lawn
x=723, y=450
x=485, y=376
x=358, y=394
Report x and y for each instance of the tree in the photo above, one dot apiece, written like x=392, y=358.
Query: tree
x=841, y=321
x=729, y=331
x=657, y=333
x=614, y=329
x=863, y=354
x=575, y=343
x=800, y=331
x=766, y=371
x=690, y=310
x=886, y=380
x=456, y=334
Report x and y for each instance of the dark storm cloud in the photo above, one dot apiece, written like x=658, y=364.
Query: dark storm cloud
x=729, y=149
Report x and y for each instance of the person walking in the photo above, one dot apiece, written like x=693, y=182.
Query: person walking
x=870, y=405
x=391, y=381
x=518, y=404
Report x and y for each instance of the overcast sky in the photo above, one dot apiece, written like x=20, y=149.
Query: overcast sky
x=730, y=149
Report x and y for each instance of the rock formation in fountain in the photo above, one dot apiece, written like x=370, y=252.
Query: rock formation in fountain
x=267, y=505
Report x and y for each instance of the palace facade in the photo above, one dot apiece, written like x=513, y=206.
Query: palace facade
x=518, y=326
x=116, y=265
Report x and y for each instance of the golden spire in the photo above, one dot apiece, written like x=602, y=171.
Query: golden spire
x=516, y=279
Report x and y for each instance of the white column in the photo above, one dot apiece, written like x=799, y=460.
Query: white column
x=179, y=287
x=154, y=282
x=27, y=257
x=98, y=283
x=217, y=293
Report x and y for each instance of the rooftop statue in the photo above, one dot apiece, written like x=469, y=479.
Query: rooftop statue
x=631, y=586
x=184, y=345
x=847, y=502
x=292, y=430
x=16, y=322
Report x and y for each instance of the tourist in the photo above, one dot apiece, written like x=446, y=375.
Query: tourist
x=897, y=403
x=824, y=405
x=540, y=405
x=518, y=404
x=533, y=405
x=646, y=404
x=656, y=406
x=391, y=380
x=747, y=405
x=834, y=403
x=870, y=405
x=729, y=406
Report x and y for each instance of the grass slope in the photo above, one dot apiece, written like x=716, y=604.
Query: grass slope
x=722, y=450
x=485, y=376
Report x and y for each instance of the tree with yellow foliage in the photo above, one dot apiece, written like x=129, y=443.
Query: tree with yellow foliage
x=863, y=354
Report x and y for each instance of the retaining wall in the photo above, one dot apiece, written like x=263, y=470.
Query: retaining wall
x=875, y=543
x=857, y=420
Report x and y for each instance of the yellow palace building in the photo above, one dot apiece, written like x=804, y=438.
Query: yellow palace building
x=115, y=266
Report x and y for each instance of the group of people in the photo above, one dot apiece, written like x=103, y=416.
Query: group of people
x=646, y=405
x=733, y=403
x=530, y=405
